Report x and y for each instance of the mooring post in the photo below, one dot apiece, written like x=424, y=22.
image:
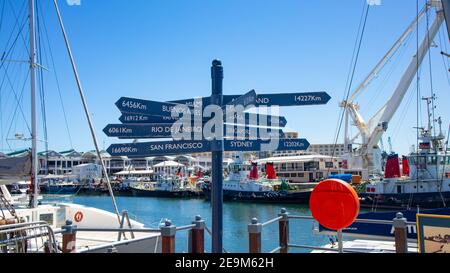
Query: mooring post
x=197, y=233
x=254, y=236
x=69, y=237
x=401, y=235
x=168, y=232
x=47, y=247
x=284, y=231
x=217, y=147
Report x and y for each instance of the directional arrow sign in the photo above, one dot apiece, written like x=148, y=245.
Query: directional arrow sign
x=257, y=145
x=188, y=147
x=245, y=100
x=269, y=121
x=132, y=131
x=159, y=148
x=150, y=108
x=246, y=132
x=287, y=99
x=166, y=130
x=140, y=118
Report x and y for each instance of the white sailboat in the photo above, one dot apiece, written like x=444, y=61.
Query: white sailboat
x=23, y=226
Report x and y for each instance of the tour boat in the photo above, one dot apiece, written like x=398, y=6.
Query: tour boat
x=243, y=183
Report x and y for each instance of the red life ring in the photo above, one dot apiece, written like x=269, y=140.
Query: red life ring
x=334, y=204
x=78, y=217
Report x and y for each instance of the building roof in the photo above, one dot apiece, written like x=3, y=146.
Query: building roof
x=18, y=153
x=297, y=158
x=188, y=157
x=84, y=165
x=135, y=172
x=169, y=164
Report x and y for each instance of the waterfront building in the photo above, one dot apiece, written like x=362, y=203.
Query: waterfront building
x=55, y=163
x=89, y=171
x=307, y=168
x=337, y=150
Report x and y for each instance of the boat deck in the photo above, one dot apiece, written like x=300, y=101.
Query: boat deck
x=101, y=241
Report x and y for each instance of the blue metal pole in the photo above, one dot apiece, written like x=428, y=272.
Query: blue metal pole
x=217, y=163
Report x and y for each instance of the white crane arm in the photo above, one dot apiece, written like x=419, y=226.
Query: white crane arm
x=405, y=82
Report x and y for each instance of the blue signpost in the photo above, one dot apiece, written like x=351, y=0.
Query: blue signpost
x=246, y=100
x=148, y=107
x=286, y=99
x=217, y=147
x=245, y=132
x=133, y=131
x=246, y=119
x=160, y=148
x=258, y=145
x=166, y=130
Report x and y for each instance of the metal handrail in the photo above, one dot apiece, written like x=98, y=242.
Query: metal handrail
x=272, y=221
x=141, y=230
x=363, y=221
x=210, y=234
x=24, y=227
x=187, y=227
x=23, y=224
x=275, y=250
x=254, y=226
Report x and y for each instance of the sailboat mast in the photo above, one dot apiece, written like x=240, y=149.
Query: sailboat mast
x=34, y=159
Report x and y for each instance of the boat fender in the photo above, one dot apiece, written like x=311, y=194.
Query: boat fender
x=78, y=217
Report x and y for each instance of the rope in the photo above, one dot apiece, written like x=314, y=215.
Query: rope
x=359, y=40
x=444, y=59
x=21, y=35
x=41, y=83
x=58, y=87
x=431, y=75
x=2, y=14
x=418, y=90
x=86, y=110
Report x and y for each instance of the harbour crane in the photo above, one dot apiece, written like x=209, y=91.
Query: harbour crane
x=368, y=155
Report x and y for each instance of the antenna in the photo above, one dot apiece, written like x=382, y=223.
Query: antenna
x=441, y=134
x=390, y=145
x=429, y=101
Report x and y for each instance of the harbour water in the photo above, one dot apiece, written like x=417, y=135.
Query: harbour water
x=236, y=217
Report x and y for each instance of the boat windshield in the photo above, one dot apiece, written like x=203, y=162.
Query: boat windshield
x=422, y=161
x=240, y=168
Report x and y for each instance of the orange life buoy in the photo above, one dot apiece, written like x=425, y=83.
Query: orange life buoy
x=334, y=204
x=78, y=217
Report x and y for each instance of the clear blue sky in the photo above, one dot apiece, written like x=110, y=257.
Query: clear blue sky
x=162, y=50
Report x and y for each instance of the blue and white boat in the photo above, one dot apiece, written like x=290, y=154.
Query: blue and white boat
x=243, y=182
x=425, y=181
x=60, y=188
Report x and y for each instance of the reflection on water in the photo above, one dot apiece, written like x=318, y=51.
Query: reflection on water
x=236, y=216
